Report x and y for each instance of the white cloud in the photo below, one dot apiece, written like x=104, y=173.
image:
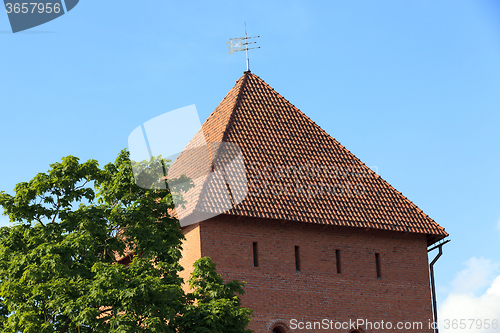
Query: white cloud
x=479, y=273
x=464, y=304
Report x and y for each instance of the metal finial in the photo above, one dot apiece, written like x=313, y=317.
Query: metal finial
x=241, y=44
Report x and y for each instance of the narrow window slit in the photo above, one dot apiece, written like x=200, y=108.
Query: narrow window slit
x=297, y=259
x=255, y=255
x=377, y=263
x=337, y=261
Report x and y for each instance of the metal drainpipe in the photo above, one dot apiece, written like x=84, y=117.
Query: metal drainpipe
x=433, y=285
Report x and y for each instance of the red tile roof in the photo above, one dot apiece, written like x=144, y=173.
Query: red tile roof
x=296, y=171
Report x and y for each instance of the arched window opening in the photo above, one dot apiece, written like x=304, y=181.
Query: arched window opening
x=279, y=329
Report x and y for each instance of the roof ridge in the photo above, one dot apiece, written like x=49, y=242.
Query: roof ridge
x=293, y=105
x=236, y=103
x=225, y=97
x=209, y=141
x=232, y=107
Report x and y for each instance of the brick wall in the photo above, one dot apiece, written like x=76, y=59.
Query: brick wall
x=191, y=251
x=278, y=293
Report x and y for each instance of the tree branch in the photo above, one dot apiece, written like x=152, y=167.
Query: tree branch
x=58, y=207
x=66, y=325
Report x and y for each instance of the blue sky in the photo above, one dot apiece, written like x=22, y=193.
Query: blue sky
x=410, y=87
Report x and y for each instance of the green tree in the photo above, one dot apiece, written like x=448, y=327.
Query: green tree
x=213, y=305
x=59, y=269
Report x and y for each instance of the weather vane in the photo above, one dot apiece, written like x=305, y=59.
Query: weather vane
x=241, y=44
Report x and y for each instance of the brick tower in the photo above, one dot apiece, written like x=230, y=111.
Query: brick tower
x=320, y=239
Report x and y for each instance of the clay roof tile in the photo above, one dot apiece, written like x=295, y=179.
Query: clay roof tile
x=274, y=135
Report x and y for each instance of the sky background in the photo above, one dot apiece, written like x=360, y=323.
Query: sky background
x=412, y=88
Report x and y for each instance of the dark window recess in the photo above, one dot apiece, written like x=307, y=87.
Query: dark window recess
x=255, y=255
x=278, y=329
x=377, y=263
x=297, y=258
x=337, y=261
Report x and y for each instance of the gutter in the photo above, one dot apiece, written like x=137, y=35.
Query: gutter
x=433, y=284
